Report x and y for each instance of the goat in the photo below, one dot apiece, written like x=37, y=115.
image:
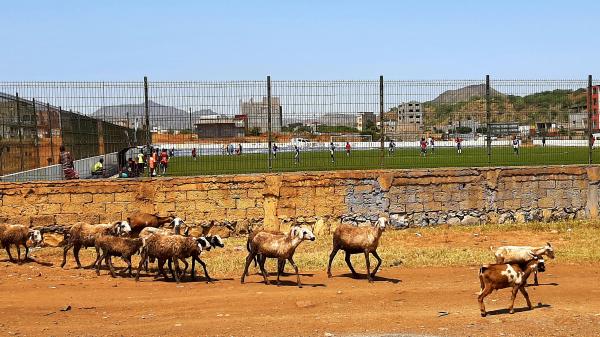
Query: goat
x=507, y=275
x=147, y=231
x=356, y=240
x=165, y=247
x=258, y=257
x=84, y=235
x=139, y=221
x=277, y=246
x=522, y=254
x=18, y=235
x=110, y=246
x=208, y=243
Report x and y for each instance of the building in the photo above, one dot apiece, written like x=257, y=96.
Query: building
x=410, y=113
x=338, y=119
x=595, y=107
x=363, y=119
x=504, y=129
x=220, y=127
x=257, y=113
x=578, y=121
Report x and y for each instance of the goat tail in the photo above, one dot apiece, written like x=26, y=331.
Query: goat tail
x=492, y=249
x=481, y=283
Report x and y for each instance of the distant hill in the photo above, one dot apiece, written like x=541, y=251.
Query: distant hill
x=465, y=94
x=162, y=116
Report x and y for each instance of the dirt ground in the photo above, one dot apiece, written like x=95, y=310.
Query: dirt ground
x=402, y=300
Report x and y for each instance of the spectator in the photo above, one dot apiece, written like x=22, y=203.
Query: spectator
x=391, y=147
x=347, y=149
x=164, y=161
x=66, y=160
x=239, y=149
x=431, y=144
x=515, y=144
x=230, y=149
x=98, y=168
x=458, y=141
x=275, y=148
x=152, y=165
x=224, y=150
x=172, y=152
x=332, y=152
x=133, y=170
x=140, y=164
x=296, y=154
x=194, y=153
x=543, y=140
x=423, y=144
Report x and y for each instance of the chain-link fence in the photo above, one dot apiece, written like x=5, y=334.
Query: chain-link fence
x=228, y=127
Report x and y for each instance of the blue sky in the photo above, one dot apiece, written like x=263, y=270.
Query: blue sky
x=238, y=40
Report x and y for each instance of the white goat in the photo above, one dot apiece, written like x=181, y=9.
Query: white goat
x=522, y=254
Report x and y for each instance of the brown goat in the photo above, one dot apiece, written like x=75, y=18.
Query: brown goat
x=276, y=246
x=258, y=257
x=110, y=246
x=357, y=240
x=514, y=275
x=139, y=221
x=84, y=235
x=18, y=235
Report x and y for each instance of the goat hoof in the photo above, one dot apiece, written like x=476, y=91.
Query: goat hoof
x=483, y=314
x=511, y=311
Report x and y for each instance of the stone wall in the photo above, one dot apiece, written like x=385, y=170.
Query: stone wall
x=410, y=197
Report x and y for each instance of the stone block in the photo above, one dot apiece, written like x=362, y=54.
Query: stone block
x=103, y=197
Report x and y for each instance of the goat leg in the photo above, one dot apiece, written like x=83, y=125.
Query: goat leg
x=143, y=258
x=193, y=271
x=513, y=295
x=18, y=253
x=484, y=292
x=535, y=279
x=109, y=262
x=97, y=255
x=261, y=264
x=526, y=295
x=65, y=251
x=331, y=257
x=76, y=249
x=99, y=264
x=378, y=263
x=26, y=253
x=278, y=272
x=349, y=263
x=296, y=270
x=7, y=247
x=368, y=263
x=128, y=260
x=177, y=270
x=208, y=279
x=249, y=259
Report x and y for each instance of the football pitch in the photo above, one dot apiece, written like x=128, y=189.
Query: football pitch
x=402, y=158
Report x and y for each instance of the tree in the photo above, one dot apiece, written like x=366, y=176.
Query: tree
x=254, y=132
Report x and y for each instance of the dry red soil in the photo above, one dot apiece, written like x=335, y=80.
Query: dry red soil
x=402, y=300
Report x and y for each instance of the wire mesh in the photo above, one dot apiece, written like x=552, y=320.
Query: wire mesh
x=229, y=127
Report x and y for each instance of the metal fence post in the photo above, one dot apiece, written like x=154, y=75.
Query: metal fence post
x=22, y=157
x=269, y=107
x=50, y=133
x=488, y=114
x=590, y=107
x=35, y=135
x=147, y=113
x=191, y=126
x=381, y=124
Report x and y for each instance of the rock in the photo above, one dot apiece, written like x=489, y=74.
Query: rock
x=53, y=239
x=304, y=304
x=67, y=308
x=470, y=220
x=328, y=334
x=453, y=221
x=520, y=217
x=321, y=227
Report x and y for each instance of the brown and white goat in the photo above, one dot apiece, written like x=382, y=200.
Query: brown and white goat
x=522, y=254
x=276, y=246
x=84, y=235
x=357, y=240
x=507, y=275
x=258, y=257
x=18, y=235
x=110, y=246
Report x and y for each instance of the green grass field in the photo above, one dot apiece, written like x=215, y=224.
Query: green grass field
x=371, y=159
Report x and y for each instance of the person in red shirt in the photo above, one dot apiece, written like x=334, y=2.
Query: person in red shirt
x=164, y=161
x=194, y=153
x=152, y=165
x=423, y=144
x=458, y=141
x=347, y=149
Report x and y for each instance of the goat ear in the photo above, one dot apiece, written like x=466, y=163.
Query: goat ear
x=186, y=232
x=548, y=243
